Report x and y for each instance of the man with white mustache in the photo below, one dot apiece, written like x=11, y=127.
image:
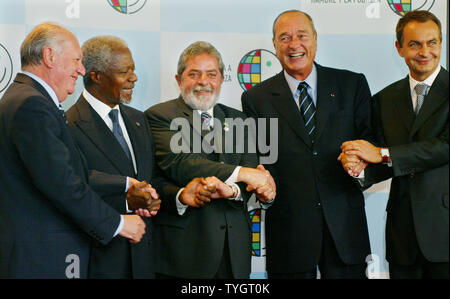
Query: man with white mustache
x=213, y=240
x=318, y=219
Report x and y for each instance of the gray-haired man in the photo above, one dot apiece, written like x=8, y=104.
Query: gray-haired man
x=211, y=241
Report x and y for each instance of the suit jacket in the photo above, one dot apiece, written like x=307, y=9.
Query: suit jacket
x=191, y=245
x=104, y=153
x=312, y=186
x=47, y=210
x=417, y=209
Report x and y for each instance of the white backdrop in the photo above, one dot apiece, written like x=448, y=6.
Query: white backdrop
x=357, y=35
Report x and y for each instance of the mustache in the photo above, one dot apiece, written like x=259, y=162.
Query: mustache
x=199, y=89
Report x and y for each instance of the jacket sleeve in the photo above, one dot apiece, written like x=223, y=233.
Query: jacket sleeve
x=37, y=136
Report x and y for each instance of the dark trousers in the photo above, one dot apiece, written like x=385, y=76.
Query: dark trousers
x=421, y=269
x=224, y=271
x=330, y=264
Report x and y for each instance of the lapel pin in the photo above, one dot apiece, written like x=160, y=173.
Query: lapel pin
x=138, y=124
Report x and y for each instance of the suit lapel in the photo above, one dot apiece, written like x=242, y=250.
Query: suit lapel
x=91, y=124
x=135, y=131
x=284, y=103
x=434, y=99
x=327, y=98
x=403, y=103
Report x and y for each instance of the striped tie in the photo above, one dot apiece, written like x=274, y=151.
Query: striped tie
x=421, y=91
x=206, y=119
x=307, y=109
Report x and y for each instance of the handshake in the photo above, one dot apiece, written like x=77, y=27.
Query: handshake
x=357, y=154
x=200, y=191
x=144, y=200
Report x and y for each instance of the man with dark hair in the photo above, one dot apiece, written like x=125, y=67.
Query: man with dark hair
x=49, y=216
x=411, y=123
x=318, y=218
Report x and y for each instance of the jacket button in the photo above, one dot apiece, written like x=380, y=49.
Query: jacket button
x=222, y=227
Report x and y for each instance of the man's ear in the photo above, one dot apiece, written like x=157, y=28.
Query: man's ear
x=48, y=57
x=178, y=78
x=95, y=76
x=399, y=48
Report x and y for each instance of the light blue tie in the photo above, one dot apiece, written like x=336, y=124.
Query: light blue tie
x=421, y=91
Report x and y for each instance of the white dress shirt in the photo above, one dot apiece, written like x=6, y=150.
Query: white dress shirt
x=428, y=81
x=103, y=111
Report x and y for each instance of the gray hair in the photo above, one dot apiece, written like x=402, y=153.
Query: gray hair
x=98, y=54
x=43, y=35
x=293, y=11
x=195, y=49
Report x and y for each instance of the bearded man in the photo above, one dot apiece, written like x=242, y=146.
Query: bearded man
x=212, y=241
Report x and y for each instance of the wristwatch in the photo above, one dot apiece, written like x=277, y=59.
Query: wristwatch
x=385, y=157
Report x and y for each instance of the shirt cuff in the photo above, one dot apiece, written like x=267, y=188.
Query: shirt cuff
x=266, y=205
x=181, y=208
x=361, y=175
x=231, y=181
x=127, y=186
x=119, y=228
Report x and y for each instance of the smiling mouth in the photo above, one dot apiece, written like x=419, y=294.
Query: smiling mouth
x=295, y=55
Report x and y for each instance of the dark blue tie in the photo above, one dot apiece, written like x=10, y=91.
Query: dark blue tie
x=307, y=109
x=63, y=114
x=117, y=131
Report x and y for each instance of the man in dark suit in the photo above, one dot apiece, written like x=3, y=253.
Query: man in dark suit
x=411, y=123
x=212, y=241
x=109, y=83
x=318, y=218
x=48, y=213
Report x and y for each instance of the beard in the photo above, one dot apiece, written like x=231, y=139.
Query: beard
x=202, y=103
x=124, y=100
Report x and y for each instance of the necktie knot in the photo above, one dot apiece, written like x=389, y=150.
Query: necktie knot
x=421, y=89
x=114, y=115
x=302, y=86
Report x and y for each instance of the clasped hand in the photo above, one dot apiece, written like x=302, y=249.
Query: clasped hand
x=143, y=198
x=357, y=154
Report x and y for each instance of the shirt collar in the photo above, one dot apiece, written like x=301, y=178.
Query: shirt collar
x=101, y=108
x=428, y=81
x=44, y=84
x=311, y=80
